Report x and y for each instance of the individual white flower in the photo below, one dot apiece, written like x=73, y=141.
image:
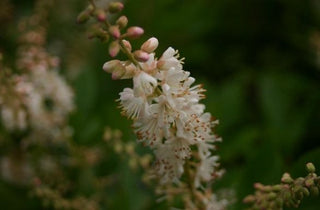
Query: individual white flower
x=169, y=59
x=195, y=94
x=206, y=147
x=206, y=169
x=149, y=66
x=144, y=84
x=131, y=105
x=163, y=110
x=173, y=77
x=148, y=130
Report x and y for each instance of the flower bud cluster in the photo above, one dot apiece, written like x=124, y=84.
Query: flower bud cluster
x=57, y=200
x=289, y=193
x=103, y=30
x=166, y=112
x=127, y=149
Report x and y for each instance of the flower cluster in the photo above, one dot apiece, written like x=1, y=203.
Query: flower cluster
x=289, y=193
x=35, y=102
x=166, y=112
x=38, y=98
x=165, y=107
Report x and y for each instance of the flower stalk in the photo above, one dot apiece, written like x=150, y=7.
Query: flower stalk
x=167, y=116
x=289, y=193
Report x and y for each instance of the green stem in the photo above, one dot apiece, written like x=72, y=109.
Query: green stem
x=189, y=180
x=193, y=191
x=92, y=3
x=122, y=46
x=129, y=54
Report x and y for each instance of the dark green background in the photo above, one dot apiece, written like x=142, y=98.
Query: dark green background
x=255, y=59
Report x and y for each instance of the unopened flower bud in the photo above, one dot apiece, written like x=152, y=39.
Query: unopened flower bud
x=296, y=189
x=145, y=161
x=276, y=188
x=122, y=21
x=115, y=7
x=115, y=68
x=83, y=17
x=107, y=135
x=150, y=45
x=118, y=148
x=249, y=199
x=114, y=48
x=272, y=195
x=267, y=188
x=300, y=180
x=117, y=134
x=100, y=15
x=286, y=178
x=110, y=65
x=127, y=44
x=310, y=168
x=118, y=73
x=141, y=56
x=309, y=182
x=114, y=31
x=133, y=164
x=134, y=32
x=129, y=148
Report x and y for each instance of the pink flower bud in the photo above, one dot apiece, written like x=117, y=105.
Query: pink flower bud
x=116, y=68
x=118, y=72
x=134, y=32
x=83, y=17
x=110, y=65
x=141, y=56
x=310, y=168
x=127, y=44
x=100, y=15
x=114, y=48
x=115, y=7
x=122, y=21
x=150, y=45
x=115, y=32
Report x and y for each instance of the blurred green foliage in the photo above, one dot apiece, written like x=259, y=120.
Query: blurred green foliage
x=255, y=58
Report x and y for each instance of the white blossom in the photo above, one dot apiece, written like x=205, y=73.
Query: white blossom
x=132, y=106
x=144, y=84
x=167, y=115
